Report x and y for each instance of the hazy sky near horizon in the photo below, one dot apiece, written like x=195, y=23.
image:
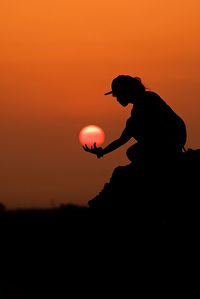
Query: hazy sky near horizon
x=57, y=59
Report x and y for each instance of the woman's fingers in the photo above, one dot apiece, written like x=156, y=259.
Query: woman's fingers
x=93, y=149
x=86, y=148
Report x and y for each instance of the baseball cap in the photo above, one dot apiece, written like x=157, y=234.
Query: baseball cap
x=119, y=84
x=105, y=94
x=123, y=83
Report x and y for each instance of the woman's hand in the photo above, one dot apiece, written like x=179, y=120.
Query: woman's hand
x=98, y=151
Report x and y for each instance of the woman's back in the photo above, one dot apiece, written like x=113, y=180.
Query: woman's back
x=153, y=121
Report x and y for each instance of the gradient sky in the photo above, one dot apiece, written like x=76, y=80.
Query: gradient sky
x=57, y=58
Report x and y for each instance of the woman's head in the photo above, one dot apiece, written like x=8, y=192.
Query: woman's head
x=127, y=85
x=127, y=88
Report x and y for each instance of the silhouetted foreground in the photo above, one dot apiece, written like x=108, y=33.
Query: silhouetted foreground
x=89, y=251
x=47, y=252
x=163, y=191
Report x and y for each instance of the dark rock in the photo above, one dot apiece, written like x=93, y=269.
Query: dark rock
x=159, y=191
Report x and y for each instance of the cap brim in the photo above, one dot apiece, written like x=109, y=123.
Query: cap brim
x=108, y=93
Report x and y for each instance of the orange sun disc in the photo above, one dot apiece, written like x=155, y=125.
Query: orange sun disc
x=91, y=134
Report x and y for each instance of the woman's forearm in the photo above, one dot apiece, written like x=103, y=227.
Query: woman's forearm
x=112, y=146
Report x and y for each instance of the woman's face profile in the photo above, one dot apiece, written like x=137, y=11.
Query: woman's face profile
x=122, y=99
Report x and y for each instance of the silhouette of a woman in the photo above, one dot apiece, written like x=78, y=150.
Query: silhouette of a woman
x=153, y=124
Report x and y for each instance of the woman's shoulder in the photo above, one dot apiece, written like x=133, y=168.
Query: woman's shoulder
x=151, y=94
x=154, y=98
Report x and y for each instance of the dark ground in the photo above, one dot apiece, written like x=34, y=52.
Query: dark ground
x=62, y=252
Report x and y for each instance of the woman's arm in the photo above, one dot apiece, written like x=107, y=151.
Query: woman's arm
x=100, y=152
x=125, y=137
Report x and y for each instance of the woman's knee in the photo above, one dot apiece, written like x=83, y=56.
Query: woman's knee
x=128, y=154
x=131, y=152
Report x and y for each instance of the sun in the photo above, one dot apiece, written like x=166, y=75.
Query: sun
x=90, y=134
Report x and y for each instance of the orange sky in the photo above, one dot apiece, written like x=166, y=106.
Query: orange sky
x=57, y=58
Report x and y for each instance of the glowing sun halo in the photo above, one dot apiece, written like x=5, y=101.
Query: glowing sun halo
x=90, y=134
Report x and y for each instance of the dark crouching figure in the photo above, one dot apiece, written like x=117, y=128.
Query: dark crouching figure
x=155, y=126
x=160, y=134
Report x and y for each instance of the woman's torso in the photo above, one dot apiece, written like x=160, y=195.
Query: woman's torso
x=152, y=120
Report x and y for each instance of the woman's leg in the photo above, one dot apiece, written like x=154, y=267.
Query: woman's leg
x=134, y=152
